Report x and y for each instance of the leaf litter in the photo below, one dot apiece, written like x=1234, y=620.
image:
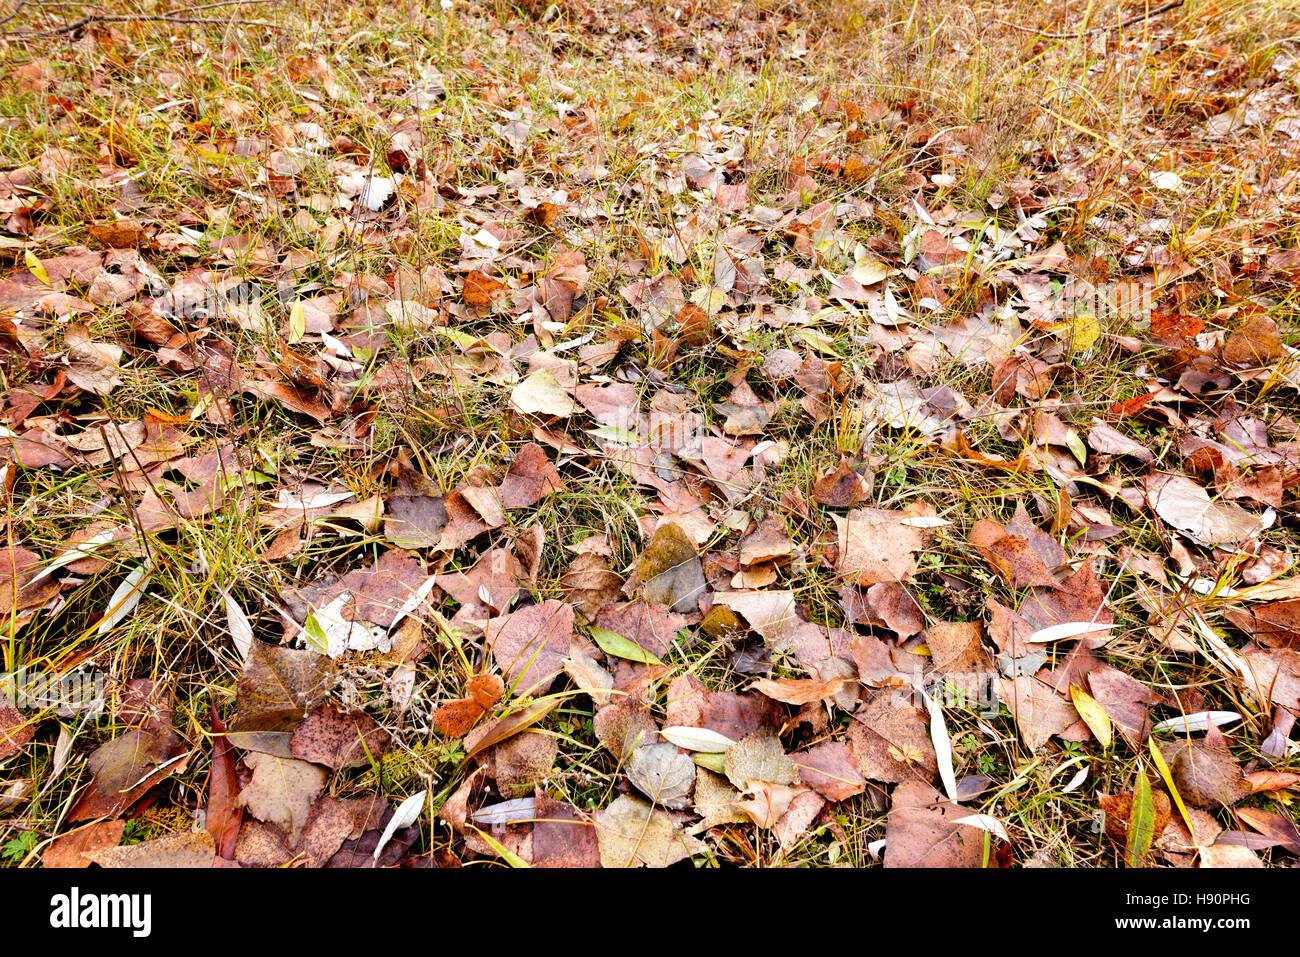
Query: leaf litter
x=686, y=483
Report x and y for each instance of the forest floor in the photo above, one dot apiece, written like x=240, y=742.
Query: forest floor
x=723, y=433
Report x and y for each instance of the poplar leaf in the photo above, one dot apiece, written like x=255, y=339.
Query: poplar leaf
x=1093, y=715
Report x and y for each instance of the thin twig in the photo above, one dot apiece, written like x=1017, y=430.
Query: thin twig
x=18, y=8
x=219, y=3
x=1136, y=18
x=136, y=18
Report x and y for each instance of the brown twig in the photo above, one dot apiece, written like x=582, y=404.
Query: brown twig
x=133, y=18
x=18, y=8
x=1136, y=18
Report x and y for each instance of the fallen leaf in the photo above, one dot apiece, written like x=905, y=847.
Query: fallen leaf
x=539, y=393
x=71, y=849
x=759, y=757
x=338, y=739
x=797, y=691
x=184, y=849
x=530, y=644
x=922, y=831
x=278, y=686
x=669, y=571
x=842, y=488
x=455, y=718
x=875, y=546
x=662, y=773
x=281, y=791
x=1188, y=507
x=633, y=833
x=1205, y=776
x=222, y=817
x=831, y=770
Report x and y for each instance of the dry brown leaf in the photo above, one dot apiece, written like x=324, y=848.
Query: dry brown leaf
x=920, y=831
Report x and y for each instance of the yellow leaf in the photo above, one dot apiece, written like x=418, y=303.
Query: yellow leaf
x=868, y=271
x=1093, y=714
x=1158, y=760
x=35, y=267
x=710, y=300
x=297, y=322
x=1085, y=330
x=906, y=754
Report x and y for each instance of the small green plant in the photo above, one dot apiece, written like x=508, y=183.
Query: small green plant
x=16, y=849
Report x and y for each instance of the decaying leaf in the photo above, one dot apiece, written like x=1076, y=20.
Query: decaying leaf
x=922, y=831
x=669, y=570
x=633, y=833
x=338, y=739
x=759, y=757
x=282, y=791
x=662, y=773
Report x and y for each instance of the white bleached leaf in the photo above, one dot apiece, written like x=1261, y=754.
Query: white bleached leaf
x=1200, y=721
x=1079, y=777
x=924, y=521
x=342, y=635
x=406, y=814
x=697, y=739
x=1208, y=586
x=62, y=750
x=75, y=554
x=985, y=823
x=241, y=631
x=413, y=602
x=1068, y=629
x=518, y=811
x=942, y=748
x=287, y=499
x=124, y=598
x=1167, y=180
x=375, y=192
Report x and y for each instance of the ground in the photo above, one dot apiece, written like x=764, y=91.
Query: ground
x=722, y=434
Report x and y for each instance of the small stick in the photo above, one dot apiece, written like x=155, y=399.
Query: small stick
x=1137, y=18
x=132, y=18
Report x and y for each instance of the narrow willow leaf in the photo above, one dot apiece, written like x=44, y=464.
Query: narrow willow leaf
x=1079, y=777
x=297, y=322
x=241, y=630
x=518, y=811
x=510, y=857
x=697, y=739
x=1141, y=821
x=124, y=599
x=1069, y=629
x=615, y=644
x=75, y=554
x=1158, y=760
x=942, y=749
x=985, y=823
x=36, y=268
x=406, y=814
x=1200, y=721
